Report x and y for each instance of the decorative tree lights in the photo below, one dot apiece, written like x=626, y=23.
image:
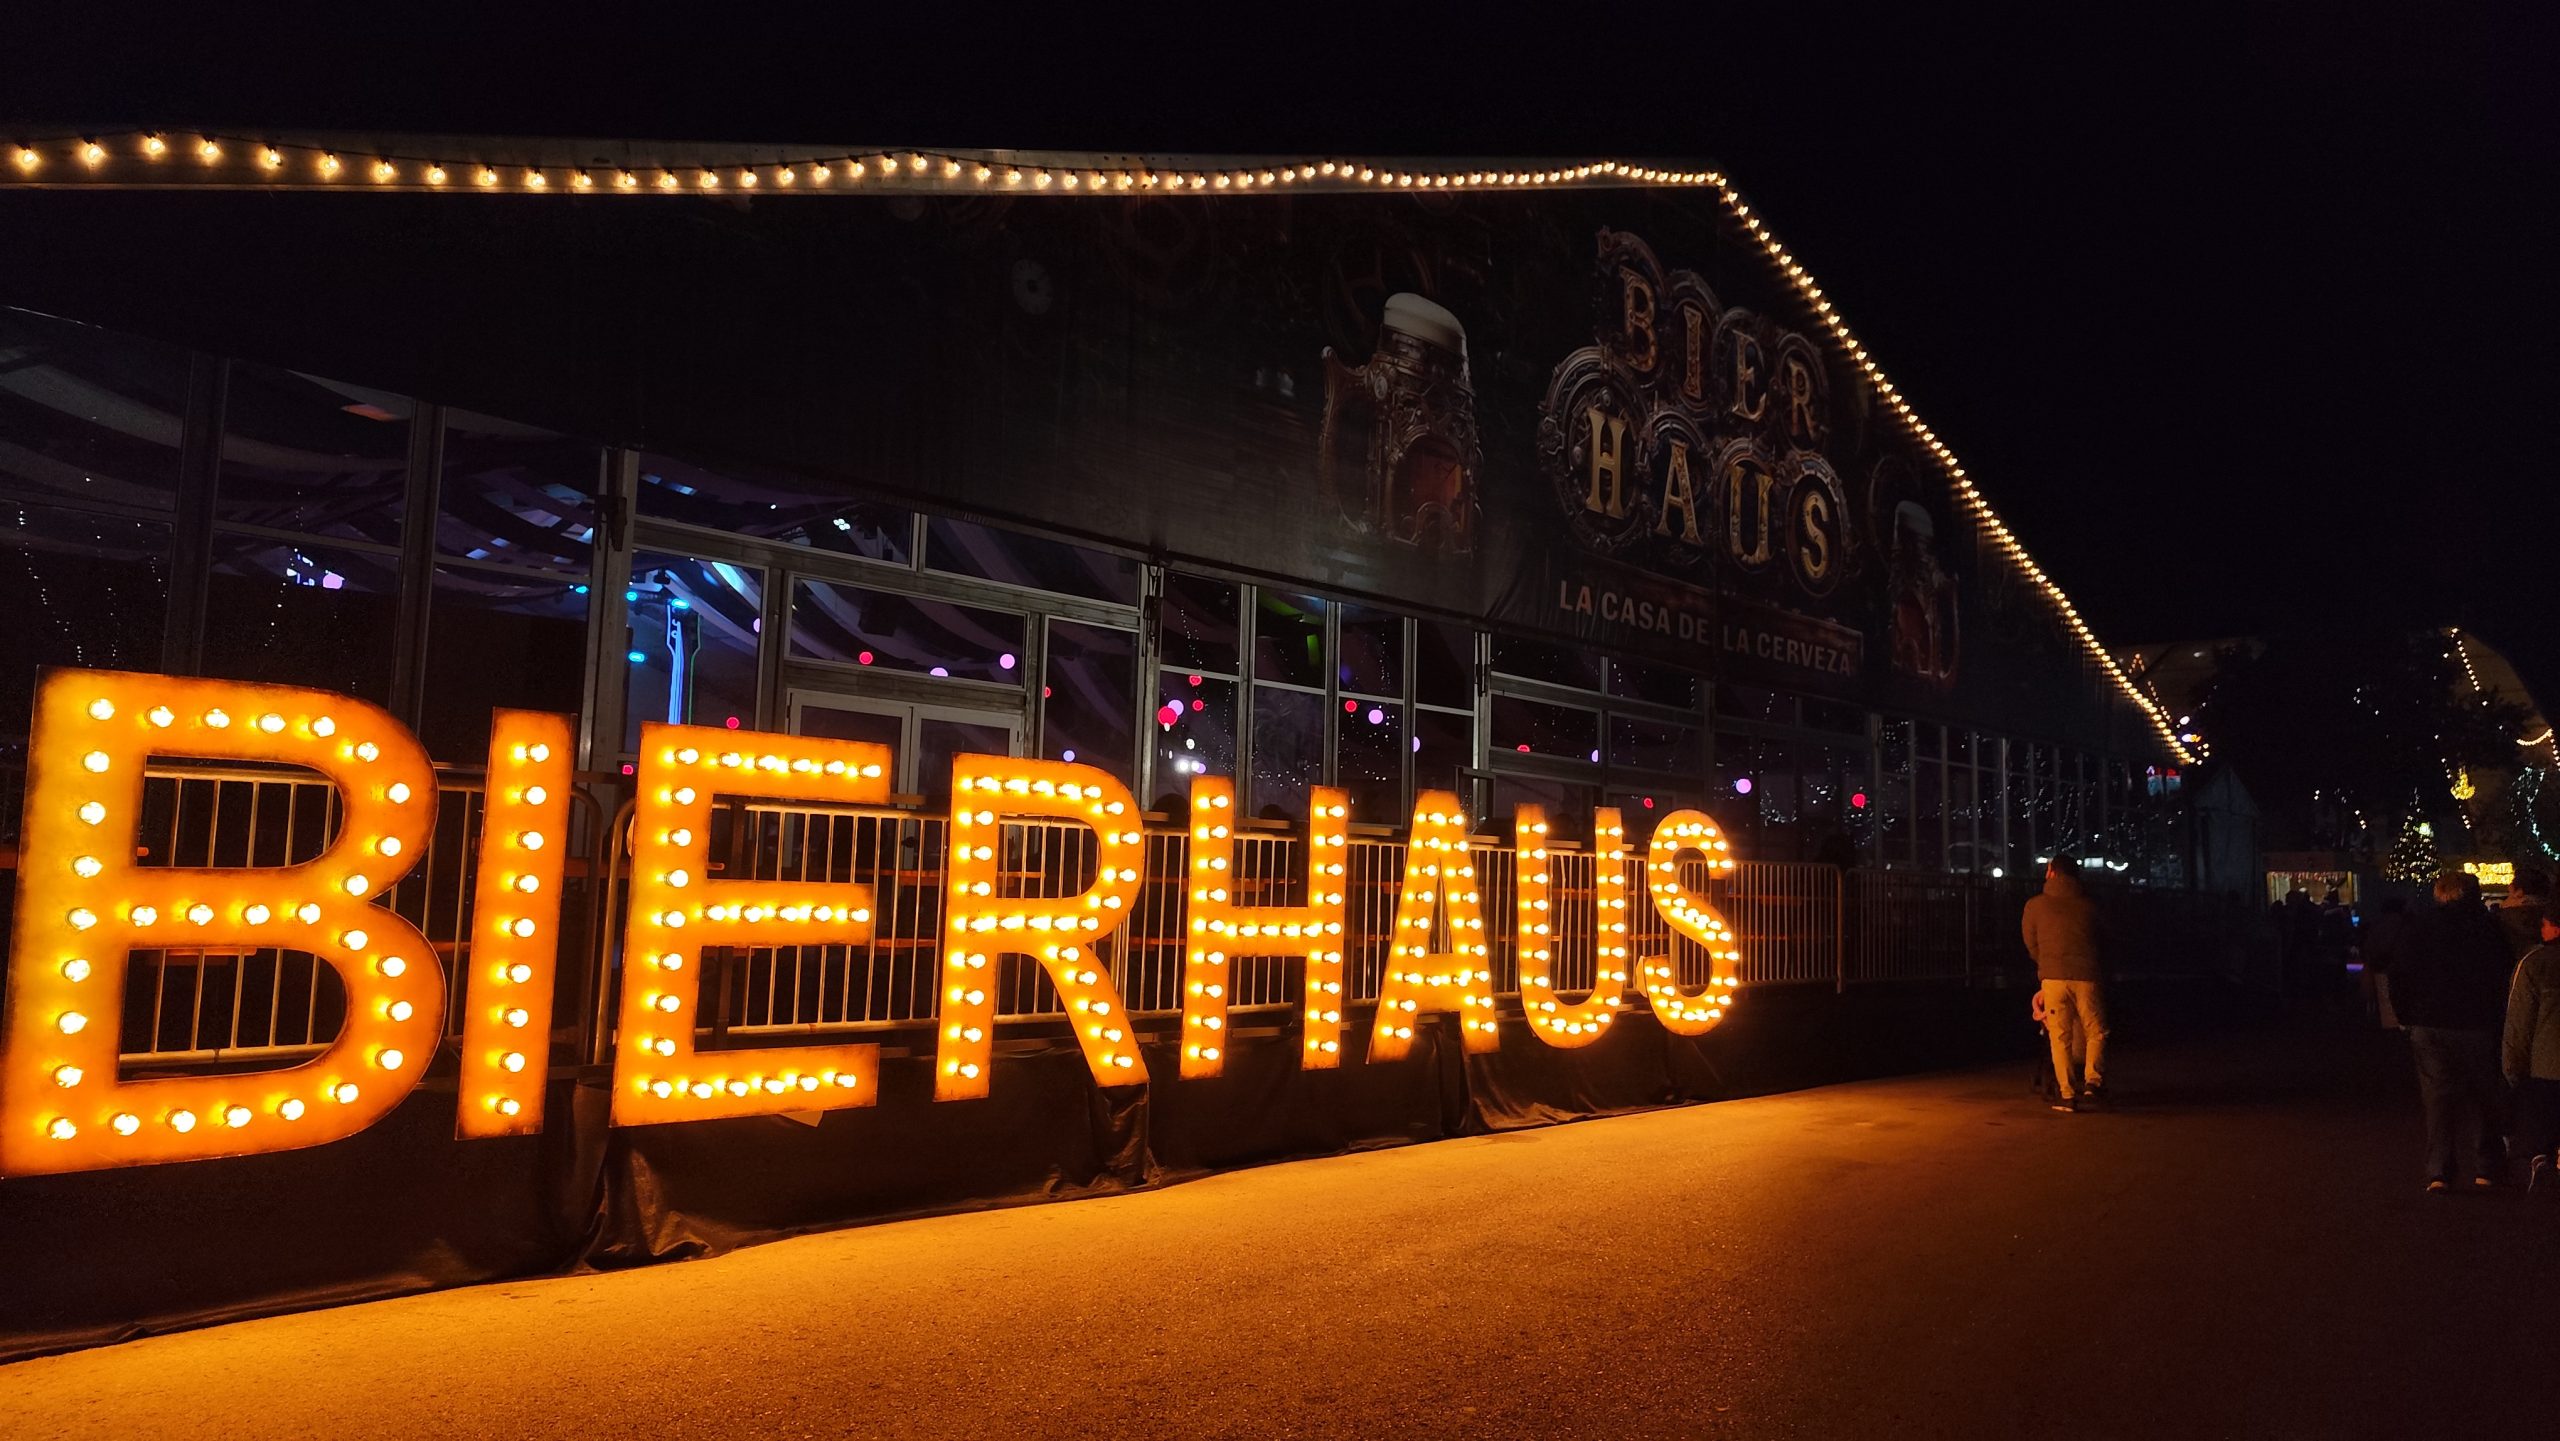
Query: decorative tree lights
x=1575, y=1023
x=1221, y=927
x=1438, y=894
x=981, y=921
x=677, y=910
x=512, y=962
x=1689, y=915
x=83, y=903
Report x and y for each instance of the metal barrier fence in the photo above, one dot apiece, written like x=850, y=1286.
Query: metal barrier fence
x=1796, y=923
x=215, y=1005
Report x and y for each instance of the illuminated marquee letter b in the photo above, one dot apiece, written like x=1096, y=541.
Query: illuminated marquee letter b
x=83, y=904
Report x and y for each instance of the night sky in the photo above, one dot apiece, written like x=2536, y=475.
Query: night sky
x=2242, y=318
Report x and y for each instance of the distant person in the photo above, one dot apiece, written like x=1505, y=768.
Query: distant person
x=2520, y=914
x=2061, y=931
x=2384, y=935
x=2531, y=1057
x=2448, y=988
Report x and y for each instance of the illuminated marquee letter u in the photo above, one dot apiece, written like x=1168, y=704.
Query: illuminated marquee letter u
x=1561, y=1023
x=83, y=904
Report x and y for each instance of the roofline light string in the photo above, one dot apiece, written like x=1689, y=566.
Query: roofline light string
x=199, y=160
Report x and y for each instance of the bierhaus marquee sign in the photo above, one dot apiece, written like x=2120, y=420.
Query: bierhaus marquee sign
x=83, y=904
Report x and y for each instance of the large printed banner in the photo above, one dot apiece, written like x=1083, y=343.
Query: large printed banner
x=83, y=903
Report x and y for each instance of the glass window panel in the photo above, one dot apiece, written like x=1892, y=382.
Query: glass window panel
x=1288, y=751
x=299, y=614
x=774, y=504
x=1369, y=751
x=1754, y=703
x=1654, y=745
x=1288, y=639
x=87, y=414
x=1444, y=746
x=499, y=638
x=1928, y=808
x=1568, y=805
x=1964, y=849
x=1745, y=766
x=1194, y=733
x=1659, y=684
x=1089, y=697
x=1529, y=727
x=856, y=626
x=695, y=626
x=312, y=456
x=1861, y=808
x=1444, y=664
x=1199, y=624
x=1576, y=666
x=2045, y=806
x=1818, y=797
x=1828, y=715
x=966, y=548
x=78, y=589
x=517, y=493
x=2023, y=835
x=1372, y=658
x=1894, y=827
x=940, y=740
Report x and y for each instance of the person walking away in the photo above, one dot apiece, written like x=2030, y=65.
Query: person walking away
x=2448, y=986
x=2531, y=1058
x=2520, y=915
x=2061, y=931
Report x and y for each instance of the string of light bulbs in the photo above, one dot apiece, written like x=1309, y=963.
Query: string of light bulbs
x=210, y=161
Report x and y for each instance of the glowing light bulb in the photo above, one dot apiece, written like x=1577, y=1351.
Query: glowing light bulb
x=92, y=812
x=398, y=793
x=86, y=867
x=95, y=761
x=401, y=1010
x=62, y=1129
x=291, y=1110
x=389, y=1060
x=344, y=1093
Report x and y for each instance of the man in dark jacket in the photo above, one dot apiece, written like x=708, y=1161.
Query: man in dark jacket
x=2449, y=989
x=2061, y=931
x=2520, y=914
x=2532, y=1056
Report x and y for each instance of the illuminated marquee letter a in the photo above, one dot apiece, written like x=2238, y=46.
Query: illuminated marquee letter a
x=83, y=904
x=1439, y=874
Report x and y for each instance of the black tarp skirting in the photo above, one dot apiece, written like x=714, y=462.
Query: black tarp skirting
x=404, y=1207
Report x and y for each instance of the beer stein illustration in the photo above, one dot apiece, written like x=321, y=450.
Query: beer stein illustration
x=1417, y=484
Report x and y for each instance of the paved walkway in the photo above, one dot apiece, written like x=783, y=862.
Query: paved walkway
x=2241, y=1249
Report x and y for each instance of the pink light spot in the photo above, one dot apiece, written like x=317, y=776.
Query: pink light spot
x=1648, y=803
x=1045, y=692
x=1858, y=801
x=1742, y=786
x=1195, y=680
x=1005, y=661
x=939, y=670
x=1168, y=713
x=1350, y=706
x=1377, y=717
x=863, y=658
x=1524, y=750
x=629, y=769
x=733, y=722
x=1199, y=705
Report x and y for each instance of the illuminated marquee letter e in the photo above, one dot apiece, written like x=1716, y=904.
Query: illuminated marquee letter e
x=677, y=911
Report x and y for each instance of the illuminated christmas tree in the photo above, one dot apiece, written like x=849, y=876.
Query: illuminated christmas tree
x=2412, y=857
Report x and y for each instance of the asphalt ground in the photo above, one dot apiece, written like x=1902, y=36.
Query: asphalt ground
x=2240, y=1248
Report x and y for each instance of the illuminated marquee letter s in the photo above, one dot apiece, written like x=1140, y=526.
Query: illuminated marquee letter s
x=83, y=904
x=1568, y=1024
x=1690, y=916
